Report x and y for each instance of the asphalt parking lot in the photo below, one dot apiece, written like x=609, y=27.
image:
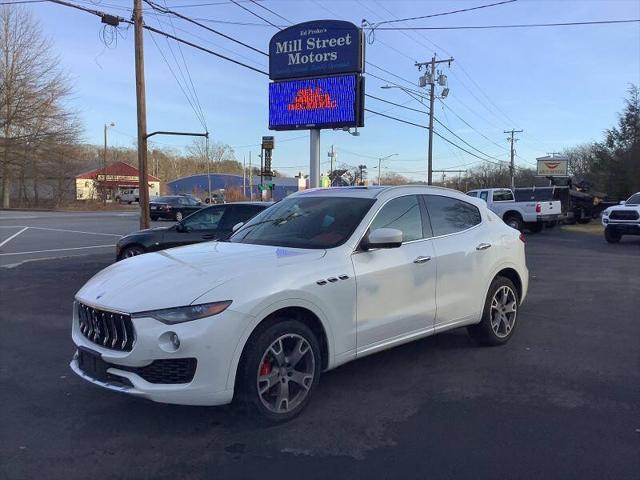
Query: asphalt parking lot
x=561, y=400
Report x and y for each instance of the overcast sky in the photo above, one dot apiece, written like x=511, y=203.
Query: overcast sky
x=562, y=86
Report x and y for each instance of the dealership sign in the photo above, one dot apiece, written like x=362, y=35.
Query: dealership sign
x=553, y=166
x=328, y=102
x=317, y=69
x=312, y=49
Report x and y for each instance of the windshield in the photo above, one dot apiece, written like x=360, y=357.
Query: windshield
x=634, y=199
x=306, y=222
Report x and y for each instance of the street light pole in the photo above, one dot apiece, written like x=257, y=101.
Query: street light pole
x=380, y=164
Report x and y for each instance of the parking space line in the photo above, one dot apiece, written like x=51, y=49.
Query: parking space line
x=55, y=250
x=75, y=231
x=4, y=242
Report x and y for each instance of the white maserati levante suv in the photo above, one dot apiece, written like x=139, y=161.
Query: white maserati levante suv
x=314, y=281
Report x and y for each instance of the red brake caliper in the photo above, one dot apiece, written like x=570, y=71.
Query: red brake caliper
x=265, y=368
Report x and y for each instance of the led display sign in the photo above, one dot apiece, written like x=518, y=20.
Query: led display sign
x=314, y=49
x=329, y=102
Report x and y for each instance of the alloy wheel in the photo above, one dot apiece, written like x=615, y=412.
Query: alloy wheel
x=286, y=373
x=504, y=306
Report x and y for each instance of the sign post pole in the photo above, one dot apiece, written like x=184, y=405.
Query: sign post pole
x=314, y=158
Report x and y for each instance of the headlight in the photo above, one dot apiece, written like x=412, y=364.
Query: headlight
x=186, y=314
x=605, y=213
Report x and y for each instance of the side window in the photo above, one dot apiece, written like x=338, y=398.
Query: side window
x=402, y=213
x=484, y=195
x=473, y=194
x=183, y=201
x=236, y=214
x=502, y=196
x=207, y=219
x=450, y=215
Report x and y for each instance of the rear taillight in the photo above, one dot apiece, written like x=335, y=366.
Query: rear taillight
x=538, y=208
x=523, y=239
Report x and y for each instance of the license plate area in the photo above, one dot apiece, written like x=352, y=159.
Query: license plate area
x=92, y=364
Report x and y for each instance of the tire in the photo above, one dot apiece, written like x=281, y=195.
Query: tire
x=265, y=377
x=154, y=218
x=535, y=227
x=611, y=235
x=492, y=331
x=179, y=216
x=132, y=251
x=514, y=220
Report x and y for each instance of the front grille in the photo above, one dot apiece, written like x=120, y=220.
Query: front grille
x=107, y=329
x=179, y=370
x=624, y=215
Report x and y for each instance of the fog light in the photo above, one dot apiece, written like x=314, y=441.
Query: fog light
x=169, y=342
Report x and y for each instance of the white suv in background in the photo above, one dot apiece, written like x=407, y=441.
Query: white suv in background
x=319, y=279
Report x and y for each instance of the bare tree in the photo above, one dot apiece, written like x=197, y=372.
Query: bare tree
x=33, y=88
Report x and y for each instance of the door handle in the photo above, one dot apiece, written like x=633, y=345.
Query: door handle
x=483, y=246
x=422, y=259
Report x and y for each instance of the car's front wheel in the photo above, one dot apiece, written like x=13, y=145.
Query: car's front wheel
x=281, y=368
x=611, y=235
x=132, y=251
x=500, y=314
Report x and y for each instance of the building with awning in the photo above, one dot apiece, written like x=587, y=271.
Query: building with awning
x=114, y=181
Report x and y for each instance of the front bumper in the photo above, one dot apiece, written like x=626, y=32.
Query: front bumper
x=625, y=228
x=211, y=341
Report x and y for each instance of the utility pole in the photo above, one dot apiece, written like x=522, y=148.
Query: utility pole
x=512, y=167
x=430, y=79
x=244, y=176
x=143, y=179
x=250, y=178
x=104, y=164
x=332, y=155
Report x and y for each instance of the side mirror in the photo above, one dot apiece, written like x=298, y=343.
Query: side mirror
x=623, y=202
x=237, y=226
x=383, y=238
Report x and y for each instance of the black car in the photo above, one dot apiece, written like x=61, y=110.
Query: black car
x=210, y=223
x=174, y=207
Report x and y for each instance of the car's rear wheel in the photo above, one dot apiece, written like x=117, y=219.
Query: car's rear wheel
x=611, y=235
x=499, y=318
x=281, y=367
x=514, y=221
x=132, y=251
x=179, y=216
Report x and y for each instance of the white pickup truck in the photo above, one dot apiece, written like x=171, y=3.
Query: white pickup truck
x=623, y=219
x=519, y=215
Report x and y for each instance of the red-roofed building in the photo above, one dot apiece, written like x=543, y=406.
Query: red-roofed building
x=116, y=179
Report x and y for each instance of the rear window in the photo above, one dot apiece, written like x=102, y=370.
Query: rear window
x=450, y=215
x=165, y=199
x=502, y=196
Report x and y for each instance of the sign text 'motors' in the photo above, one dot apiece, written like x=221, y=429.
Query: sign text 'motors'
x=318, y=48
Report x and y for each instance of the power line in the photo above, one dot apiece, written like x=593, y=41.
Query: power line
x=445, y=13
x=434, y=132
x=270, y=11
x=199, y=47
x=183, y=17
x=520, y=25
x=255, y=14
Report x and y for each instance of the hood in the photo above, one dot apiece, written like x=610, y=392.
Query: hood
x=146, y=232
x=178, y=276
